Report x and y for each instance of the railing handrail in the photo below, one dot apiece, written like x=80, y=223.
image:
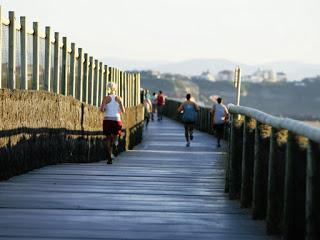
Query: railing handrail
x=292, y=125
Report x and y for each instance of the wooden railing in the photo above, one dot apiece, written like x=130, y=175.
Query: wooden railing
x=274, y=168
x=35, y=60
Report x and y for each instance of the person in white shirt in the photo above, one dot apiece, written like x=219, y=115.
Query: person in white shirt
x=219, y=117
x=112, y=107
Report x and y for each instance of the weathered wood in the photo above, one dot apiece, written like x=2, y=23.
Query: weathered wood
x=313, y=192
x=235, y=158
x=105, y=80
x=47, y=64
x=260, y=175
x=96, y=83
x=294, y=190
x=159, y=190
x=73, y=80
x=86, y=78
x=23, y=46
x=12, y=51
x=101, y=81
x=277, y=156
x=35, y=50
x=247, y=162
x=82, y=79
x=91, y=81
x=64, y=74
x=56, y=70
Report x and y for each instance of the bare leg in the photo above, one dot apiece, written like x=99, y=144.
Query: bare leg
x=109, y=149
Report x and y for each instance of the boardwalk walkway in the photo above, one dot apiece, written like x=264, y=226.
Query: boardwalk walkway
x=160, y=190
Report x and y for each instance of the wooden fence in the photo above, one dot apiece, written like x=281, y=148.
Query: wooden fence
x=35, y=60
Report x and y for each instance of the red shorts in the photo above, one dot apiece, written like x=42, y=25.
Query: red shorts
x=112, y=127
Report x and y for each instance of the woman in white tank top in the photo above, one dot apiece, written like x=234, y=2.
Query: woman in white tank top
x=112, y=107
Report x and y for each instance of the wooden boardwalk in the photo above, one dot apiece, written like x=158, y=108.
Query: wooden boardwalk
x=160, y=190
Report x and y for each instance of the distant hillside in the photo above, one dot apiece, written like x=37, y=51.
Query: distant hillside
x=294, y=70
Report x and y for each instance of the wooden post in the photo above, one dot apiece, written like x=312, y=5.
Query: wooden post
x=81, y=78
x=105, y=80
x=235, y=158
x=101, y=81
x=121, y=84
x=294, y=189
x=277, y=156
x=73, y=80
x=47, y=69
x=23, y=46
x=91, y=79
x=35, y=72
x=139, y=87
x=260, y=175
x=313, y=192
x=125, y=89
x=86, y=78
x=96, y=83
x=247, y=162
x=12, y=51
x=1, y=37
x=64, y=78
x=56, y=79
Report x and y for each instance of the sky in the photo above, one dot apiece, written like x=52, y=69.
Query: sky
x=249, y=31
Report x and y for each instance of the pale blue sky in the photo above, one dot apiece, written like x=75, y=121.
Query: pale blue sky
x=250, y=31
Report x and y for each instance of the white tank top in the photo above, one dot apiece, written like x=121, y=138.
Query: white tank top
x=112, y=109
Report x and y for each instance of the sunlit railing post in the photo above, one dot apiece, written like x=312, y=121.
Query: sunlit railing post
x=105, y=80
x=277, y=156
x=86, y=78
x=235, y=160
x=91, y=81
x=81, y=81
x=56, y=79
x=35, y=72
x=295, y=188
x=23, y=46
x=247, y=162
x=313, y=192
x=72, y=80
x=96, y=83
x=12, y=51
x=64, y=78
x=47, y=65
x=101, y=82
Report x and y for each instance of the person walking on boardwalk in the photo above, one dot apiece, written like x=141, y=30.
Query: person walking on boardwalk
x=112, y=107
x=147, y=108
x=160, y=104
x=219, y=117
x=154, y=105
x=189, y=109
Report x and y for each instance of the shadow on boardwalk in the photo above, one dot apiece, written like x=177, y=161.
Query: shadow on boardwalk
x=159, y=190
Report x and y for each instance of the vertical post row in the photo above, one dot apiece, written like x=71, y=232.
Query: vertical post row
x=247, y=162
x=56, y=82
x=80, y=79
x=47, y=68
x=12, y=51
x=35, y=72
x=105, y=80
x=139, y=87
x=72, y=81
x=313, y=192
x=101, y=81
x=86, y=78
x=23, y=46
x=121, y=84
x=64, y=78
x=277, y=156
x=91, y=84
x=96, y=83
x=1, y=37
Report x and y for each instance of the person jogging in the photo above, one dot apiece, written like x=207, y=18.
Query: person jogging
x=112, y=107
x=147, y=108
x=220, y=116
x=154, y=105
x=189, y=111
x=160, y=104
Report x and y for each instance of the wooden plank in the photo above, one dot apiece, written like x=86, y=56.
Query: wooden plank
x=159, y=190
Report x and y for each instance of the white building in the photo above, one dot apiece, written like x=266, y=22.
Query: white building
x=206, y=75
x=225, y=75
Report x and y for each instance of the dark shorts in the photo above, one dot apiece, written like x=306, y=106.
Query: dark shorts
x=219, y=128
x=112, y=127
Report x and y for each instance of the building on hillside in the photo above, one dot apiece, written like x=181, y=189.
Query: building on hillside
x=263, y=75
x=225, y=75
x=206, y=75
x=281, y=77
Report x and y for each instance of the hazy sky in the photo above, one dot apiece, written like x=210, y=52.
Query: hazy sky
x=250, y=31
